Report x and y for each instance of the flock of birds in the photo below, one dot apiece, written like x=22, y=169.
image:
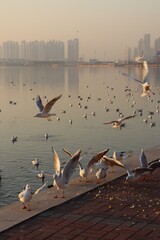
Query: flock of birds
x=100, y=162
x=99, y=165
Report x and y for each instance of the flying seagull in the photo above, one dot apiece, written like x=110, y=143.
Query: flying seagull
x=84, y=171
x=63, y=176
x=119, y=123
x=44, y=110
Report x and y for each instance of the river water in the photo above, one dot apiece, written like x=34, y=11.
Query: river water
x=85, y=90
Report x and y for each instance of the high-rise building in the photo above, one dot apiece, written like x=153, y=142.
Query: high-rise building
x=147, y=47
x=73, y=50
x=141, y=47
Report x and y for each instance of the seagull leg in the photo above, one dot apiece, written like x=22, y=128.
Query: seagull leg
x=28, y=209
x=24, y=207
x=63, y=194
x=56, y=196
x=49, y=119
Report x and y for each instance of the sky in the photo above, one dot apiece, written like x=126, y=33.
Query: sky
x=104, y=27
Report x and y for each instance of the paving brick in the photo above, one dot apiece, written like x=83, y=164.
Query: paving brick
x=118, y=213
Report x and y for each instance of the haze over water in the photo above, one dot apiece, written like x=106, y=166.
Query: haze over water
x=105, y=86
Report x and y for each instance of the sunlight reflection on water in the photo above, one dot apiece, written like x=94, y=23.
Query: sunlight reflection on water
x=97, y=88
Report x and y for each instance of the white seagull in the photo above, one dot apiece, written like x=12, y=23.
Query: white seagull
x=119, y=123
x=26, y=195
x=44, y=110
x=144, y=83
x=35, y=163
x=62, y=177
x=139, y=174
x=84, y=171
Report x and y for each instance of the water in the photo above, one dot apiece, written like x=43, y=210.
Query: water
x=105, y=88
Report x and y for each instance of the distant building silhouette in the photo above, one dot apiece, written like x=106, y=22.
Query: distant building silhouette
x=73, y=50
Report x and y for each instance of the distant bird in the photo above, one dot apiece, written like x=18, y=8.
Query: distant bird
x=143, y=159
x=26, y=195
x=46, y=136
x=44, y=110
x=41, y=175
x=35, y=163
x=14, y=139
x=62, y=177
x=119, y=123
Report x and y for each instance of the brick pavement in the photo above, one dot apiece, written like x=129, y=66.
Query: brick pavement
x=116, y=210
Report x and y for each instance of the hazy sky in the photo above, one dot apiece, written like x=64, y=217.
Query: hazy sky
x=104, y=27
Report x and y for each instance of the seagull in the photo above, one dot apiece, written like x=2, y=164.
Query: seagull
x=26, y=195
x=111, y=162
x=155, y=165
x=84, y=171
x=46, y=136
x=14, y=139
x=139, y=174
x=35, y=163
x=62, y=177
x=44, y=110
x=41, y=175
x=145, y=84
x=119, y=123
x=119, y=155
x=143, y=159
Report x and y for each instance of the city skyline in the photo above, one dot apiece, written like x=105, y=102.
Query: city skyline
x=104, y=28
x=53, y=50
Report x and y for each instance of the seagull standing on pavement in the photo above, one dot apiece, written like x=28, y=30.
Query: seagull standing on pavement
x=26, y=195
x=44, y=110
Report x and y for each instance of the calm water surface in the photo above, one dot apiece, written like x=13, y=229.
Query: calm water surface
x=95, y=89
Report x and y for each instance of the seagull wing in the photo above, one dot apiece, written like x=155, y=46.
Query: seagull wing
x=125, y=118
x=39, y=189
x=56, y=162
x=145, y=71
x=49, y=105
x=114, y=121
x=143, y=159
x=96, y=158
x=39, y=103
x=66, y=151
x=112, y=162
x=139, y=171
x=70, y=167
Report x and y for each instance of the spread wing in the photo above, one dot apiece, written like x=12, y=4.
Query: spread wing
x=49, y=105
x=96, y=158
x=70, y=167
x=39, y=189
x=66, y=151
x=125, y=118
x=56, y=162
x=39, y=103
x=112, y=162
x=145, y=71
x=139, y=171
x=114, y=121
